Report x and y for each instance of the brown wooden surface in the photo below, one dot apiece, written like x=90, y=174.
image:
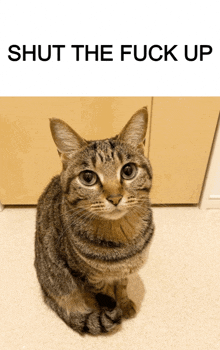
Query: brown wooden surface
x=182, y=132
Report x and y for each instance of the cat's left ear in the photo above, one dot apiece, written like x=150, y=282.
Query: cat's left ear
x=66, y=139
x=135, y=130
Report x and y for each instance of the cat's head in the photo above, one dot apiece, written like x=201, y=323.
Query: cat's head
x=107, y=178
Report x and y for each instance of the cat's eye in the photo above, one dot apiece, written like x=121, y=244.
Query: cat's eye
x=129, y=171
x=88, y=178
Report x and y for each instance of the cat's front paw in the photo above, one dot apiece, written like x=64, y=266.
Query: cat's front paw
x=111, y=318
x=104, y=318
x=128, y=308
x=104, y=321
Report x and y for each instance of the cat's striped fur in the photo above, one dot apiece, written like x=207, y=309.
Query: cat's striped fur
x=90, y=236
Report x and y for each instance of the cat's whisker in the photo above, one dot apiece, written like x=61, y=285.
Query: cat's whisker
x=77, y=215
x=70, y=212
x=98, y=206
x=85, y=213
x=72, y=221
x=139, y=210
x=84, y=216
x=135, y=211
x=74, y=210
x=99, y=209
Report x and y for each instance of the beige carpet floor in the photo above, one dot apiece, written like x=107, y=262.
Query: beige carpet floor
x=177, y=291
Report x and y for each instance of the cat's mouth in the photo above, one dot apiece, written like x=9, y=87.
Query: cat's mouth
x=115, y=214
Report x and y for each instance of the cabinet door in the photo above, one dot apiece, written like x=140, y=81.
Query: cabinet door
x=182, y=133
x=28, y=155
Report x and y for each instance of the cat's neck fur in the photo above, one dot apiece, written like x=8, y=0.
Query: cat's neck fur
x=121, y=231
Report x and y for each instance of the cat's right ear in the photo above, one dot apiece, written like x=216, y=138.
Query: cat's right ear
x=135, y=130
x=66, y=139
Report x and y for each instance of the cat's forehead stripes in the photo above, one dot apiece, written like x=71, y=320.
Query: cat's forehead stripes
x=104, y=152
x=108, y=151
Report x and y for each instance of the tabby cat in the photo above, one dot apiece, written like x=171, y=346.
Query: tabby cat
x=94, y=226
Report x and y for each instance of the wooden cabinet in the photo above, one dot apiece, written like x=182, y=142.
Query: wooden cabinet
x=179, y=140
x=182, y=132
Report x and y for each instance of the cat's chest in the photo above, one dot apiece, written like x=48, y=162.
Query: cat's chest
x=121, y=262
x=112, y=251
x=109, y=273
x=121, y=231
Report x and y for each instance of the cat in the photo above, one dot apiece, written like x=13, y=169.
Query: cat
x=94, y=226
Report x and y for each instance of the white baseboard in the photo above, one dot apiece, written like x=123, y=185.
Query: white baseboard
x=214, y=196
x=210, y=204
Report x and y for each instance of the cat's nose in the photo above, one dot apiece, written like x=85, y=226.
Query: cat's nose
x=114, y=198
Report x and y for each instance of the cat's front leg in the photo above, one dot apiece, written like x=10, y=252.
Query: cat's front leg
x=67, y=295
x=105, y=295
x=113, y=296
x=127, y=305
